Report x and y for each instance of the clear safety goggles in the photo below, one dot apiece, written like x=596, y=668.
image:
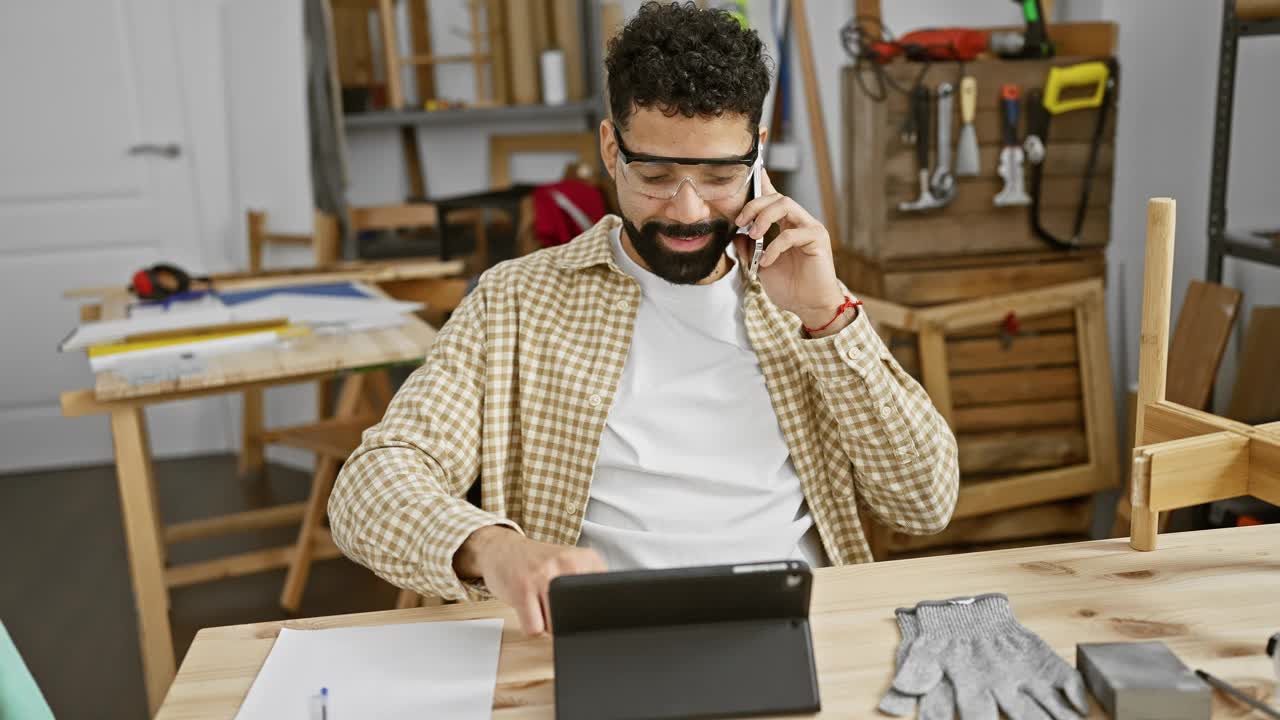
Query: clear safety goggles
x=712, y=179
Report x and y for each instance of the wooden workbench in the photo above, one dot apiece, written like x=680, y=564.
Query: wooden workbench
x=302, y=359
x=1213, y=596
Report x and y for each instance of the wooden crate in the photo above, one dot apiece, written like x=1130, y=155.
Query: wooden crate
x=881, y=170
x=1032, y=413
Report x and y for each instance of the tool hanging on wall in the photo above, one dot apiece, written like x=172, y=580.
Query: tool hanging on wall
x=967, y=147
x=920, y=98
x=1011, y=156
x=943, y=184
x=1101, y=76
x=1032, y=44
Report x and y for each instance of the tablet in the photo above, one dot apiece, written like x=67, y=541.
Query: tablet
x=718, y=641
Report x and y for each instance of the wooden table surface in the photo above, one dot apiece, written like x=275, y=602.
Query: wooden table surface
x=1213, y=596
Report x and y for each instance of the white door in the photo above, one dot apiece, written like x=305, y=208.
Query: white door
x=96, y=180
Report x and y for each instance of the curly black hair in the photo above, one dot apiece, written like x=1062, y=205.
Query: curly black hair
x=679, y=58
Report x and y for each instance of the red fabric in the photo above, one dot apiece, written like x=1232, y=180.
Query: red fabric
x=551, y=224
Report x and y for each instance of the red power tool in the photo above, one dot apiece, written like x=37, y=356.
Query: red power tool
x=940, y=44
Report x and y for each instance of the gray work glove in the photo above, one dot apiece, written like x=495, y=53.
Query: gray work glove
x=937, y=704
x=992, y=661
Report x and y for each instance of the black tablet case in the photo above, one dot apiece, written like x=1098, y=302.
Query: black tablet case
x=703, y=642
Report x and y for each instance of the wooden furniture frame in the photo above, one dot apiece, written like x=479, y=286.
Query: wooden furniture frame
x=1185, y=456
x=1208, y=595
x=1082, y=298
x=502, y=148
x=306, y=359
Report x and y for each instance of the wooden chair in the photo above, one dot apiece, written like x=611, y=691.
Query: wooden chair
x=442, y=296
x=1198, y=343
x=1185, y=456
x=585, y=145
x=325, y=242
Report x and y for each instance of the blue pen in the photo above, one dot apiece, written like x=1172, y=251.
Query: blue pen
x=320, y=705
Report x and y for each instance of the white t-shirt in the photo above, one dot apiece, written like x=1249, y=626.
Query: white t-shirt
x=693, y=468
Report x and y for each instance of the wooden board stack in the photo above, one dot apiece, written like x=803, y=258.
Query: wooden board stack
x=1024, y=394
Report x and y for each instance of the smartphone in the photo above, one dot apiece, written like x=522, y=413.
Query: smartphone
x=756, y=192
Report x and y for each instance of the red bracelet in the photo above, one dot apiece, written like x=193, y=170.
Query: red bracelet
x=848, y=303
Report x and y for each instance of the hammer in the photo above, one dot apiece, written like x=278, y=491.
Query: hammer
x=920, y=112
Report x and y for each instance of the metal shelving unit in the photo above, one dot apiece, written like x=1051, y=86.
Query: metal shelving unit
x=1223, y=242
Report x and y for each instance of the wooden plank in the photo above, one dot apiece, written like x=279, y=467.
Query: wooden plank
x=522, y=55
x=988, y=496
x=566, y=23
x=1167, y=421
x=1063, y=518
x=864, y=167
x=927, y=287
x=933, y=369
x=1042, y=350
x=1153, y=347
x=817, y=125
x=390, y=53
x=1264, y=465
x=247, y=563
x=928, y=235
x=1199, y=340
x=391, y=217
x=276, y=516
x=1029, y=303
x=353, y=45
x=977, y=354
x=1196, y=470
x=141, y=520
x=1003, y=452
x=1255, y=397
x=1018, y=416
x=496, y=25
x=420, y=44
x=1257, y=9
x=252, y=412
x=1097, y=390
x=1016, y=386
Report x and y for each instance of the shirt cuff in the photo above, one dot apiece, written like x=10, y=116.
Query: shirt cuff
x=856, y=347
x=464, y=519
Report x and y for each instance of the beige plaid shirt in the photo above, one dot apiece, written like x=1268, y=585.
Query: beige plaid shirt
x=516, y=390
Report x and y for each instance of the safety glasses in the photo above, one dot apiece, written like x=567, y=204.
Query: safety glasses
x=712, y=179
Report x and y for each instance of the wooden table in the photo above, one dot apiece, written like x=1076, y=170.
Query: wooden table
x=1213, y=596
x=307, y=358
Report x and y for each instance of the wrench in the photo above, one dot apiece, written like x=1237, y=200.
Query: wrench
x=943, y=184
x=920, y=111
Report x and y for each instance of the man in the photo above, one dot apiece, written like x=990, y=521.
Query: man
x=637, y=397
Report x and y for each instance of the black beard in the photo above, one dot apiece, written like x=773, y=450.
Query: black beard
x=674, y=266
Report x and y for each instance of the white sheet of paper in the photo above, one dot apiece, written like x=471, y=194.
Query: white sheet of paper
x=410, y=671
x=319, y=310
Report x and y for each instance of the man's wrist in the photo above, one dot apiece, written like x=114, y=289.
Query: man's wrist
x=827, y=320
x=467, y=560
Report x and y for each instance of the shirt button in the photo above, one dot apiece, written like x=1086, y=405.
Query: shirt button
x=594, y=400
x=886, y=412
x=854, y=353
x=573, y=508
x=624, y=305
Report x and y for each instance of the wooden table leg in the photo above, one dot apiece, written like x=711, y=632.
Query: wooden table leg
x=145, y=544
x=295, y=581
x=251, y=446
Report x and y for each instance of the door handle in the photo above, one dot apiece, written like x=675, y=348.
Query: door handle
x=168, y=151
